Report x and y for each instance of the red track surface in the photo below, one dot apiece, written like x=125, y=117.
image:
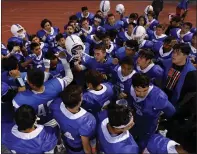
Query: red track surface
x=30, y=13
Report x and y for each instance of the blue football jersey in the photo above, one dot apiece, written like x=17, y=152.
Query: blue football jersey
x=94, y=101
x=153, y=24
x=185, y=38
x=152, y=36
x=57, y=72
x=4, y=50
x=73, y=126
x=193, y=54
x=121, y=83
x=80, y=15
x=50, y=38
x=122, y=143
x=42, y=139
x=118, y=26
x=41, y=101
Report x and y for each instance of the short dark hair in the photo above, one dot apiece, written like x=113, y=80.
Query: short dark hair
x=84, y=8
x=184, y=48
x=194, y=35
x=36, y=77
x=59, y=36
x=10, y=63
x=25, y=117
x=133, y=24
x=138, y=20
x=133, y=16
x=160, y=26
x=133, y=44
x=50, y=55
x=169, y=39
x=71, y=96
x=32, y=37
x=127, y=60
x=99, y=34
x=140, y=80
x=98, y=11
x=110, y=15
x=188, y=24
x=151, y=13
x=33, y=45
x=44, y=21
x=146, y=53
x=119, y=114
x=176, y=19
x=84, y=19
x=94, y=77
x=73, y=17
x=100, y=47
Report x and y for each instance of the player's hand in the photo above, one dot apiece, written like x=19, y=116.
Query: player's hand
x=14, y=73
x=104, y=76
x=62, y=54
x=20, y=89
x=46, y=63
x=115, y=61
x=122, y=95
x=16, y=49
x=85, y=34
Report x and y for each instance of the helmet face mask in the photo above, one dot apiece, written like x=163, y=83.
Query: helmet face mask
x=104, y=7
x=18, y=31
x=120, y=9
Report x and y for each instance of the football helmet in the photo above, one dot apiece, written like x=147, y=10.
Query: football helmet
x=105, y=7
x=120, y=8
x=15, y=28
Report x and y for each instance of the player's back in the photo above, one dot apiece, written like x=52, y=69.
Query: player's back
x=42, y=139
x=40, y=101
x=73, y=126
x=123, y=143
x=95, y=100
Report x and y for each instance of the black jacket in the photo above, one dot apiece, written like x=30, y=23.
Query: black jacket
x=157, y=5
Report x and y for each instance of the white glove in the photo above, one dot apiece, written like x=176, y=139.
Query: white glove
x=46, y=63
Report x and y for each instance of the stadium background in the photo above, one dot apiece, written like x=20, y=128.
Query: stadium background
x=30, y=13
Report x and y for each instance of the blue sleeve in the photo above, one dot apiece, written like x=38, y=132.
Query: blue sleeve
x=150, y=33
x=164, y=105
x=88, y=127
x=50, y=139
x=40, y=33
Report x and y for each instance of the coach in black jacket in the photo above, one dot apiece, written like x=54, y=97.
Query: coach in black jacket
x=157, y=7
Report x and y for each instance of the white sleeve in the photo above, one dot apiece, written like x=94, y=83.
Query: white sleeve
x=82, y=67
x=16, y=106
x=50, y=152
x=46, y=76
x=68, y=73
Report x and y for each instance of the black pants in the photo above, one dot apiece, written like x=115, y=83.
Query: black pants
x=157, y=14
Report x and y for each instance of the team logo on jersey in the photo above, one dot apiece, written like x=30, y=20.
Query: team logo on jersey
x=68, y=135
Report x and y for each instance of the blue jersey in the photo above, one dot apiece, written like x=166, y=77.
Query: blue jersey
x=146, y=44
x=193, y=30
x=37, y=60
x=153, y=24
x=122, y=83
x=94, y=101
x=123, y=37
x=42, y=139
x=117, y=26
x=122, y=143
x=17, y=40
x=160, y=55
x=147, y=112
x=4, y=50
x=73, y=126
x=57, y=72
x=111, y=50
x=90, y=31
x=152, y=36
x=185, y=38
x=5, y=77
x=91, y=63
x=121, y=54
x=193, y=54
x=155, y=72
x=159, y=144
x=50, y=38
x=90, y=16
x=41, y=101
x=183, y=4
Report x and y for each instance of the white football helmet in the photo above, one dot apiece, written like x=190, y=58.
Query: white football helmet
x=139, y=34
x=148, y=8
x=120, y=8
x=15, y=28
x=105, y=7
x=74, y=45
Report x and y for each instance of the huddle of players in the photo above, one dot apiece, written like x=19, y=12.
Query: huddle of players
x=120, y=84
